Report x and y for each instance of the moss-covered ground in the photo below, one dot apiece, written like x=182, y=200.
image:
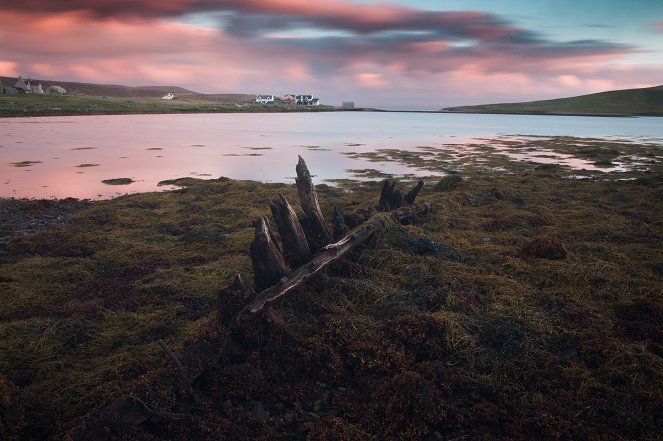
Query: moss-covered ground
x=528, y=305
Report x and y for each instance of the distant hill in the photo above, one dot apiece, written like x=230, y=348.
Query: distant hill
x=628, y=102
x=105, y=89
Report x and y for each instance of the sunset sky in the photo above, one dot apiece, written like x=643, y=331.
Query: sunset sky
x=405, y=53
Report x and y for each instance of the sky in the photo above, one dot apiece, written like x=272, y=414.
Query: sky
x=408, y=54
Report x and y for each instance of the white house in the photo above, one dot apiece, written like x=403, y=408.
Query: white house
x=303, y=99
x=264, y=99
x=307, y=100
x=168, y=96
x=28, y=86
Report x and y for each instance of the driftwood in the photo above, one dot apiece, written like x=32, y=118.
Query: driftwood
x=312, y=220
x=320, y=261
x=312, y=234
x=409, y=214
x=391, y=199
x=412, y=195
x=296, y=250
x=268, y=263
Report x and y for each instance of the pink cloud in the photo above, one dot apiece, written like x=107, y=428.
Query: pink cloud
x=426, y=69
x=372, y=80
x=658, y=26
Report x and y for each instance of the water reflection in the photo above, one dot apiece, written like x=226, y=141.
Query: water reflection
x=71, y=156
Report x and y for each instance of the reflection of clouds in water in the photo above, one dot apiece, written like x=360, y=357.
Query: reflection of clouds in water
x=125, y=145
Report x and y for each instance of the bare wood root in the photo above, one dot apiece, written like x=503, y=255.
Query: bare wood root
x=313, y=222
x=296, y=250
x=268, y=263
x=321, y=260
x=412, y=195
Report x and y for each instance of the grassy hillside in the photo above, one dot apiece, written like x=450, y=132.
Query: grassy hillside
x=646, y=101
x=106, y=89
x=95, y=99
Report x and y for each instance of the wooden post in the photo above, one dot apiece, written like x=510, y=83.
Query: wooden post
x=312, y=220
x=385, y=196
x=412, y=195
x=296, y=250
x=390, y=198
x=268, y=263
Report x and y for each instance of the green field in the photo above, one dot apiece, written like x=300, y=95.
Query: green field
x=53, y=105
x=645, y=102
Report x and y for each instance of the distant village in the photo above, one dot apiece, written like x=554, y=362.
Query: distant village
x=303, y=100
x=30, y=86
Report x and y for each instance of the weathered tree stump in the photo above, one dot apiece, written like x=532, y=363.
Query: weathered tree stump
x=312, y=221
x=391, y=199
x=311, y=234
x=268, y=263
x=296, y=250
x=320, y=261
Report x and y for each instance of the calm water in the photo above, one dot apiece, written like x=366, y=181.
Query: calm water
x=70, y=156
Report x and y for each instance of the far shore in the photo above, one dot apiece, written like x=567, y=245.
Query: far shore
x=16, y=106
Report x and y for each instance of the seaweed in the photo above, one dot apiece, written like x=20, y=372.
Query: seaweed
x=526, y=305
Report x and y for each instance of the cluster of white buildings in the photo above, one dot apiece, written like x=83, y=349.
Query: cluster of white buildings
x=303, y=100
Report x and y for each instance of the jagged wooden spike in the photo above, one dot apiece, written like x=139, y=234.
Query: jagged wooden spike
x=390, y=198
x=268, y=263
x=296, y=250
x=385, y=197
x=313, y=222
x=397, y=199
x=412, y=195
